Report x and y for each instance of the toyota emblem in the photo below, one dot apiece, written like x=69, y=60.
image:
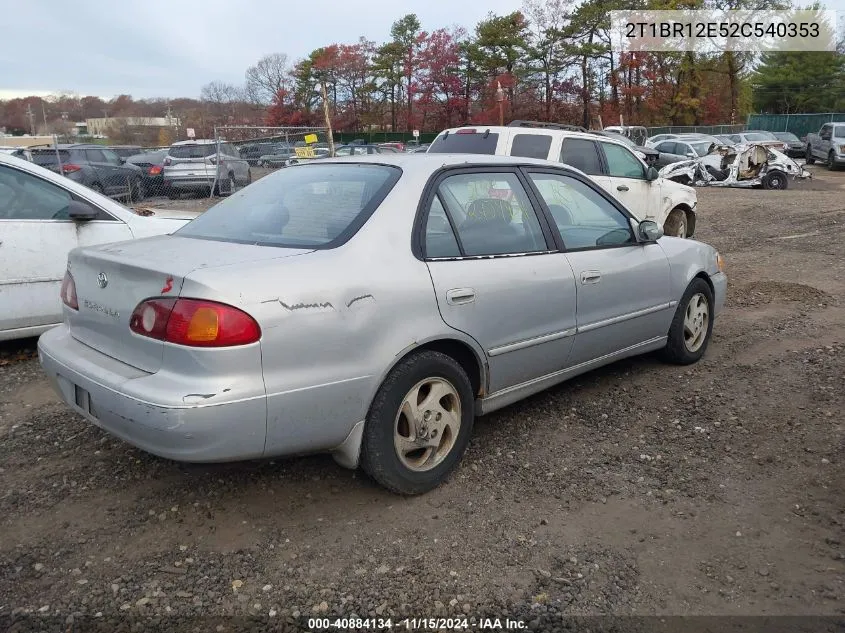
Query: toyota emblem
x=102, y=280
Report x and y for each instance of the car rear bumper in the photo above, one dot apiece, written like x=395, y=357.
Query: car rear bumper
x=193, y=182
x=95, y=385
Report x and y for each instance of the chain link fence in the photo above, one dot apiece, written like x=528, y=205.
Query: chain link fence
x=697, y=129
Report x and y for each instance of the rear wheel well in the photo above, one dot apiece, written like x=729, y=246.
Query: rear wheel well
x=462, y=353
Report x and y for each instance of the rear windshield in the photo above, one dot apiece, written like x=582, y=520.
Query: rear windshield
x=48, y=156
x=307, y=206
x=473, y=143
x=193, y=151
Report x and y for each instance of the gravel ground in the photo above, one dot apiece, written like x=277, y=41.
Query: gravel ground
x=641, y=488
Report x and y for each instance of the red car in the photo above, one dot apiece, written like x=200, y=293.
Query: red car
x=395, y=145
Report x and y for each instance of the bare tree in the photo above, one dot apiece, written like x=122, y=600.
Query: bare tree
x=269, y=75
x=219, y=98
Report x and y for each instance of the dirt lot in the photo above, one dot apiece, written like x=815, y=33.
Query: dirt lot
x=637, y=489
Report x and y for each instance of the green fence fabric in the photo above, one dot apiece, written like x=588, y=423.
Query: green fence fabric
x=799, y=124
x=698, y=129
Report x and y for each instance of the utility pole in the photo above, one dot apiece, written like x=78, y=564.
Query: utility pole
x=326, y=115
x=44, y=113
x=31, y=116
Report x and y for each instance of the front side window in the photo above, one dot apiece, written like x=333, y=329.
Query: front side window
x=581, y=154
x=27, y=197
x=667, y=147
x=531, y=145
x=492, y=214
x=621, y=163
x=307, y=206
x=95, y=156
x=111, y=157
x=584, y=218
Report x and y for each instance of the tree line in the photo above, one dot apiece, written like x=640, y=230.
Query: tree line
x=551, y=59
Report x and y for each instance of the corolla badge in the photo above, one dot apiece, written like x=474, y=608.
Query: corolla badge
x=102, y=280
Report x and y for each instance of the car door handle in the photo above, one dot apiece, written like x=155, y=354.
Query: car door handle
x=457, y=296
x=622, y=188
x=590, y=277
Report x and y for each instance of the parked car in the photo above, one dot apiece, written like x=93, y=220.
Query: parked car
x=637, y=133
x=278, y=156
x=758, y=137
x=724, y=140
x=795, y=146
x=152, y=167
x=361, y=150
x=681, y=149
x=197, y=166
x=43, y=216
x=828, y=145
x=609, y=162
x=94, y=166
x=399, y=147
x=657, y=138
x=447, y=289
x=252, y=152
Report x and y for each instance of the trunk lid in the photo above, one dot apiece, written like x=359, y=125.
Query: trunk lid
x=112, y=279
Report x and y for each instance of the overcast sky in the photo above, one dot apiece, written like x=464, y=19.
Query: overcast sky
x=170, y=48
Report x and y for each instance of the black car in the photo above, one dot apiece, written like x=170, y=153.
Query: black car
x=797, y=148
x=152, y=165
x=252, y=152
x=94, y=166
x=125, y=151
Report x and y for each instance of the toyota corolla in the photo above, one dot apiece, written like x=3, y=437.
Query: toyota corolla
x=371, y=307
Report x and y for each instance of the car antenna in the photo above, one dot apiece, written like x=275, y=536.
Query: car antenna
x=486, y=133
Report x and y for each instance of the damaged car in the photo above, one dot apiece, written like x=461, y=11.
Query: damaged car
x=750, y=165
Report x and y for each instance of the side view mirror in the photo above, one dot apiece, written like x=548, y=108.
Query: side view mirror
x=649, y=231
x=690, y=155
x=651, y=173
x=121, y=160
x=81, y=211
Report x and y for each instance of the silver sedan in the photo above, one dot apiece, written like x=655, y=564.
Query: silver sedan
x=371, y=307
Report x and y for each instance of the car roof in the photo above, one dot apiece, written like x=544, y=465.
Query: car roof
x=199, y=141
x=498, y=129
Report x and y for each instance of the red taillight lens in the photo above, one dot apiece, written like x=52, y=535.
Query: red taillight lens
x=155, y=170
x=194, y=322
x=70, y=168
x=69, y=292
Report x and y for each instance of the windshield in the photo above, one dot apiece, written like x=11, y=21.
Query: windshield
x=789, y=137
x=701, y=148
x=306, y=206
x=193, y=151
x=466, y=143
x=760, y=136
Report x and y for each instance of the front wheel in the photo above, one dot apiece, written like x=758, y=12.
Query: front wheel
x=692, y=325
x=810, y=159
x=419, y=424
x=676, y=224
x=831, y=157
x=136, y=191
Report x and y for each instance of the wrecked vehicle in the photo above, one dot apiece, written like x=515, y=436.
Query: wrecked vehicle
x=750, y=165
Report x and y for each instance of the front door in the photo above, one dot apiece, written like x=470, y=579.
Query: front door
x=628, y=183
x=622, y=285
x=497, y=276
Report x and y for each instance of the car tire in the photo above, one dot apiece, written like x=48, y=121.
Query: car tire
x=174, y=194
x=390, y=451
x=248, y=176
x=775, y=180
x=692, y=325
x=136, y=191
x=831, y=157
x=810, y=159
x=676, y=223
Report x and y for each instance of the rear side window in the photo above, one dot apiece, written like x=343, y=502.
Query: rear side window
x=95, y=155
x=531, y=145
x=47, y=157
x=193, y=151
x=581, y=154
x=308, y=206
x=465, y=143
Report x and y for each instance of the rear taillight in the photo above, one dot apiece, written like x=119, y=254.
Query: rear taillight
x=70, y=168
x=155, y=170
x=69, y=292
x=194, y=322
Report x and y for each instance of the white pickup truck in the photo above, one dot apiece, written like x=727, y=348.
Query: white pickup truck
x=828, y=145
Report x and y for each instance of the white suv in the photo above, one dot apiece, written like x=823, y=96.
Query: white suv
x=609, y=162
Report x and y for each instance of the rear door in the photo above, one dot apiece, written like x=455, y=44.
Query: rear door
x=628, y=183
x=497, y=275
x=623, y=286
x=106, y=173
x=584, y=154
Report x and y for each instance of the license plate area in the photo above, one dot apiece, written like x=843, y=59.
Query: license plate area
x=82, y=399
